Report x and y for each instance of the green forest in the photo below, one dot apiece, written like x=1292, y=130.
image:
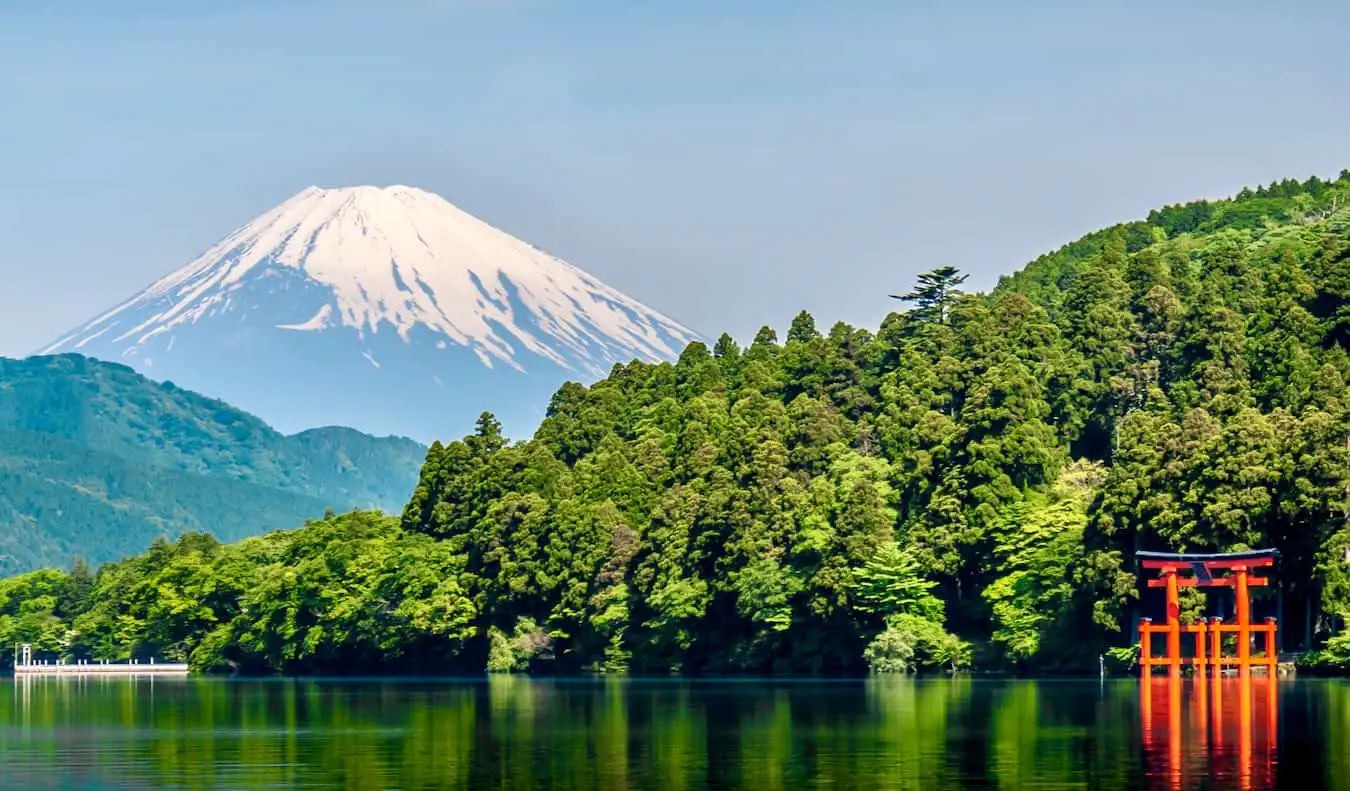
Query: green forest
x=97, y=461
x=964, y=487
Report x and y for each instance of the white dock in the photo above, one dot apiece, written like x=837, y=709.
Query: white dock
x=111, y=668
x=25, y=665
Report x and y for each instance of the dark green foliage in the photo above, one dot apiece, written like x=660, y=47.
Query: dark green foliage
x=967, y=485
x=97, y=460
x=934, y=295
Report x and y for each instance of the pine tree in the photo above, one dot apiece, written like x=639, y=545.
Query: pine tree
x=765, y=337
x=487, y=436
x=726, y=347
x=803, y=329
x=935, y=293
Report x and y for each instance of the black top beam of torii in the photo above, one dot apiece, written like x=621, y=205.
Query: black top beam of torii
x=1203, y=565
x=1188, y=557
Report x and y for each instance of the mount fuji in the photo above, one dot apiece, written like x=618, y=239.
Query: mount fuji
x=384, y=309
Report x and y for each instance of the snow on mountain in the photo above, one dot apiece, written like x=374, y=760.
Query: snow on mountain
x=387, y=309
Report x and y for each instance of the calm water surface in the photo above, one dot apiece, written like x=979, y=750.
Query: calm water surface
x=615, y=734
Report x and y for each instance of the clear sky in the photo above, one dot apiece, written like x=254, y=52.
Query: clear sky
x=729, y=162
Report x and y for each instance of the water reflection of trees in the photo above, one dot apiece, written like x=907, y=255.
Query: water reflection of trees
x=514, y=732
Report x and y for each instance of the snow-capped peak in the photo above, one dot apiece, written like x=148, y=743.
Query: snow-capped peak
x=396, y=259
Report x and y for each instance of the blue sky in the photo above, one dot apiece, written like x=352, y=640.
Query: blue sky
x=729, y=163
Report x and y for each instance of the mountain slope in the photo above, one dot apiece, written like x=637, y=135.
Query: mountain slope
x=1262, y=215
x=60, y=500
x=110, y=407
x=96, y=458
x=386, y=309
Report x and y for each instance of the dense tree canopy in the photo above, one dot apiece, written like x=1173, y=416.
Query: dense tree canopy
x=966, y=485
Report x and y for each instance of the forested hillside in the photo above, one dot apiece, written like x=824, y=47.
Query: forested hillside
x=60, y=500
x=96, y=460
x=966, y=485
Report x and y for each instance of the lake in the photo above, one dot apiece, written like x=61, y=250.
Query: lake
x=517, y=733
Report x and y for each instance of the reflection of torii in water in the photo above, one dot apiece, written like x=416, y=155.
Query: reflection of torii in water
x=1211, y=729
x=1239, y=565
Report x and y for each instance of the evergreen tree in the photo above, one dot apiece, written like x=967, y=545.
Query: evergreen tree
x=935, y=293
x=803, y=329
x=725, y=347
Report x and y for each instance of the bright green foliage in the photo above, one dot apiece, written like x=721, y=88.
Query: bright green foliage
x=349, y=593
x=911, y=643
x=892, y=583
x=968, y=484
x=1037, y=546
x=31, y=610
x=1332, y=658
x=517, y=652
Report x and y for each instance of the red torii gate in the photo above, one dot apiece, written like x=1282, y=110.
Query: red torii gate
x=1239, y=565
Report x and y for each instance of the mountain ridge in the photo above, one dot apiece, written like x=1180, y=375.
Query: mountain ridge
x=61, y=500
x=95, y=459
